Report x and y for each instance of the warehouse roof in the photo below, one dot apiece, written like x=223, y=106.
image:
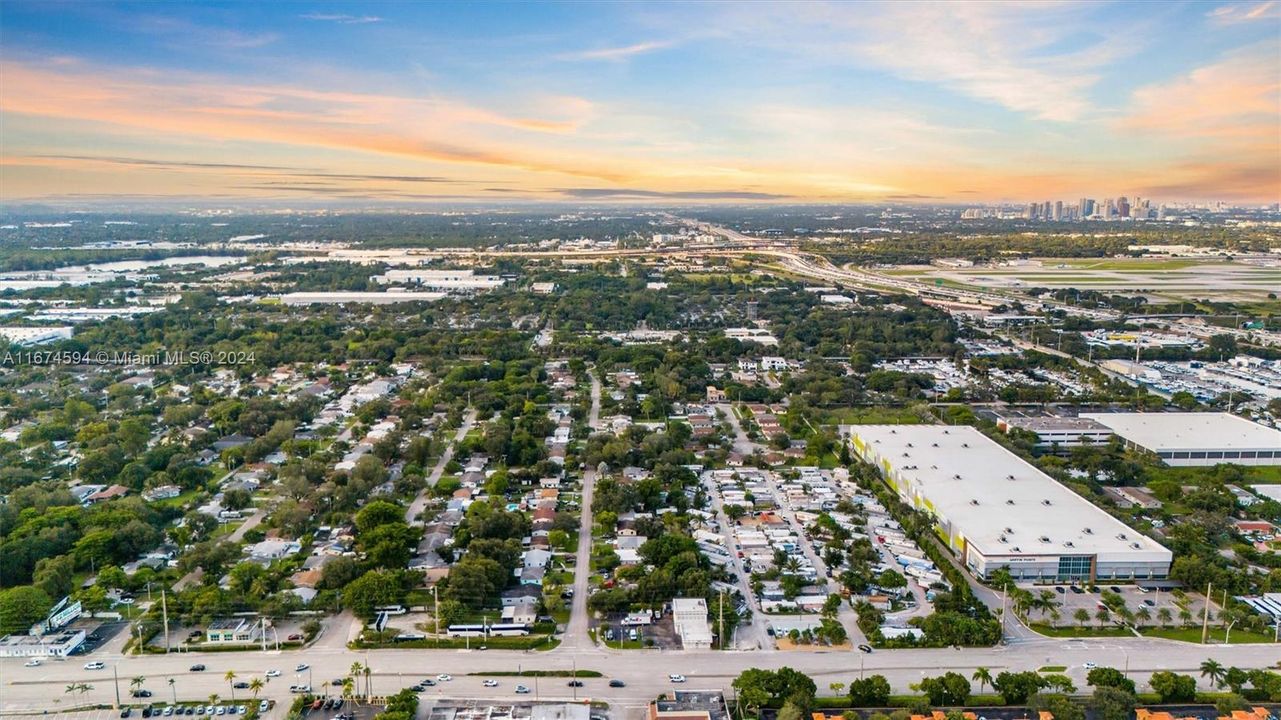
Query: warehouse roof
x=1190, y=431
x=999, y=502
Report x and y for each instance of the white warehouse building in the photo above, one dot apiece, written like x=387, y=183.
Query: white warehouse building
x=1192, y=439
x=997, y=510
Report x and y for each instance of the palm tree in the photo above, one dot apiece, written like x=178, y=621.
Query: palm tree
x=71, y=688
x=1185, y=616
x=230, y=677
x=214, y=698
x=1214, y=672
x=369, y=688
x=1164, y=616
x=174, y=690
x=983, y=677
x=136, y=682
x=1102, y=615
x=348, y=688
x=1143, y=614
x=356, y=668
x=1082, y=616
x=255, y=686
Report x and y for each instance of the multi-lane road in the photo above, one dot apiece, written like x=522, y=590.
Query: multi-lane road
x=645, y=673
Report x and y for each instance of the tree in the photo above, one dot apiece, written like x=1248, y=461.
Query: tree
x=1112, y=703
x=1173, y=687
x=136, y=682
x=1081, y=615
x=1213, y=671
x=983, y=677
x=874, y=691
x=836, y=687
x=1109, y=677
x=371, y=590
x=948, y=689
x=230, y=677
x=1164, y=616
x=1059, y=706
x=1016, y=687
x=173, y=689
x=21, y=607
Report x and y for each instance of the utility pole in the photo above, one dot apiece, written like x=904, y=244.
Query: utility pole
x=435, y=596
x=1205, y=620
x=115, y=674
x=721, y=621
x=164, y=609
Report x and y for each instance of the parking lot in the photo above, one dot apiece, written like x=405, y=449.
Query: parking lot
x=1071, y=598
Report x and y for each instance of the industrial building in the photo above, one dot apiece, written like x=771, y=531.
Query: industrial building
x=996, y=510
x=1192, y=439
x=372, y=298
x=1055, y=431
x=440, y=279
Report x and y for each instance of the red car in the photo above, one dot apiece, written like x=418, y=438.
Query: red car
x=295, y=636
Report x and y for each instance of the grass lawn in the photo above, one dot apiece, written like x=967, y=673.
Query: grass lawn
x=1189, y=475
x=1078, y=632
x=868, y=416
x=1193, y=635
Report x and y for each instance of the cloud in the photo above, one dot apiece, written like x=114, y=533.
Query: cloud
x=181, y=33
x=1234, y=13
x=434, y=128
x=632, y=194
x=616, y=53
x=1234, y=98
x=342, y=19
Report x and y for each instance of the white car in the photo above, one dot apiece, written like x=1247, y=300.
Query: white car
x=273, y=673
x=443, y=678
x=490, y=683
x=676, y=678
x=522, y=690
x=95, y=665
x=31, y=663
x=301, y=667
x=1089, y=665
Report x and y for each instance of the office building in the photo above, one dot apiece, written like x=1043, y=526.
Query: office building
x=996, y=510
x=689, y=615
x=1186, y=439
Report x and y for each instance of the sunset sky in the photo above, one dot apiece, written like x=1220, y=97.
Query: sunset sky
x=641, y=101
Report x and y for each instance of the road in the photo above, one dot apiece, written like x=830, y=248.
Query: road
x=420, y=502
x=576, y=636
x=645, y=673
x=753, y=635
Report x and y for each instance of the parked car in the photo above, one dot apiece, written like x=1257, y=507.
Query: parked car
x=126, y=712
x=443, y=677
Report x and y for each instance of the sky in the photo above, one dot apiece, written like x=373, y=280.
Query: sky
x=655, y=102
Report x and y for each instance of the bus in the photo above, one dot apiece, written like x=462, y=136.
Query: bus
x=509, y=630
x=392, y=609
x=467, y=631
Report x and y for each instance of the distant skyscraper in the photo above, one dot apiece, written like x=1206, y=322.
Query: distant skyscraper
x=1058, y=210
x=1123, y=207
x=1085, y=207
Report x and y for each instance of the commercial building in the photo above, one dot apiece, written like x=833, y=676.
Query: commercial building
x=1190, y=439
x=689, y=615
x=233, y=630
x=55, y=645
x=373, y=298
x=440, y=279
x=28, y=336
x=997, y=510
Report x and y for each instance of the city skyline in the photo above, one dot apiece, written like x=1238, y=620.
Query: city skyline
x=816, y=102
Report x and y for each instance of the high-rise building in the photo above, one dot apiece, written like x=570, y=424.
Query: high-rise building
x=1123, y=207
x=1058, y=210
x=1085, y=206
